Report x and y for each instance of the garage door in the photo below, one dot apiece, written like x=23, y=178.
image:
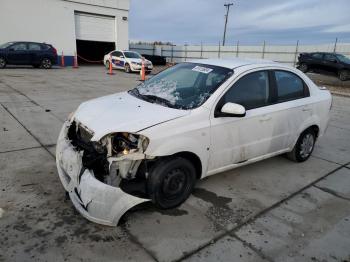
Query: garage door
x=94, y=27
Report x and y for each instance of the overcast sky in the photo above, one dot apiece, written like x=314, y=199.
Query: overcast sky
x=250, y=21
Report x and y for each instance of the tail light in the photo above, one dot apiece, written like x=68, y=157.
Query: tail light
x=54, y=50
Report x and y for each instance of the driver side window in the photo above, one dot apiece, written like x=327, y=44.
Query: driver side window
x=251, y=91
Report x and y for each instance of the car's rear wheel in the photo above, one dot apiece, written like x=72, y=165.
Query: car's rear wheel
x=127, y=68
x=303, y=68
x=344, y=75
x=304, y=146
x=171, y=182
x=46, y=63
x=2, y=62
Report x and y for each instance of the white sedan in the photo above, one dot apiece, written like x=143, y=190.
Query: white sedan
x=127, y=60
x=188, y=122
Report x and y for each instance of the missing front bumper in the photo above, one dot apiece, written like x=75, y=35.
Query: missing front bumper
x=96, y=201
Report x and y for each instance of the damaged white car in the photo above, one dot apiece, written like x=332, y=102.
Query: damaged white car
x=190, y=121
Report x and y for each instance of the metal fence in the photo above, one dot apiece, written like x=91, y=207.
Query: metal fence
x=287, y=54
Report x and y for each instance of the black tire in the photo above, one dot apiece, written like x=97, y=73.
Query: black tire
x=46, y=63
x=303, y=147
x=303, y=67
x=127, y=68
x=344, y=75
x=107, y=64
x=170, y=182
x=2, y=62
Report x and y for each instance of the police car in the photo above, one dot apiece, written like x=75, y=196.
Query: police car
x=127, y=60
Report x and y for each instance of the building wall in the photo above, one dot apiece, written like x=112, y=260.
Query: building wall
x=52, y=21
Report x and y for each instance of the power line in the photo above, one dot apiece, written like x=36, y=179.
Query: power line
x=226, y=19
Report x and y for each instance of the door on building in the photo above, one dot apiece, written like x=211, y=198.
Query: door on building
x=95, y=35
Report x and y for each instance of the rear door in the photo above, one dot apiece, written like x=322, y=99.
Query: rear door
x=331, y=63
x=18, y=54
x=291, y=106
x=35, y=53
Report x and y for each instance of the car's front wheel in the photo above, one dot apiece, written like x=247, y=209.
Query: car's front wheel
x=2, y=62
x=303, y=68
x=127, y=68
x=46, y=63
x=304, y=146
x=107, y=64
x=344, y=75
x=171, y=181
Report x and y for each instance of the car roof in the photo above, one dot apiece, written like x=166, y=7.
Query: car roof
x=233, y=63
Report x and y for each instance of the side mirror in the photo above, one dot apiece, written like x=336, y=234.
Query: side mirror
x=121, y=56
x=232, y=110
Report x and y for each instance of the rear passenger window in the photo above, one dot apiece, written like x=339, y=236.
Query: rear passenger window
x=289, y=86
x=34, y=47
x=251, y=91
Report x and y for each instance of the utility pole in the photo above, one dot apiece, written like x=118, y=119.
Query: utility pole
x=226, y=19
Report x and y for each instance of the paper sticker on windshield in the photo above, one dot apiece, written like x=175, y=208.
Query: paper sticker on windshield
x=202, y=69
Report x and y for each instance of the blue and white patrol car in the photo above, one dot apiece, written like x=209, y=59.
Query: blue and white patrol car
x=127, y=60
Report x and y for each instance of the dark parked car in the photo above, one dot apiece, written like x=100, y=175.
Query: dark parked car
x=331, y=62
x=155, y=59
x=28, y=53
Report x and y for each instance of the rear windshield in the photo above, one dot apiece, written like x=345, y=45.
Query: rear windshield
x=183, y=86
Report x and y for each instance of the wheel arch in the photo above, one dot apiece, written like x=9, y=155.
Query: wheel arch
x=194, y=159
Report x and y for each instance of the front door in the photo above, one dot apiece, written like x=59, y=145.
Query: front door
x=18, y=54
x=235, y=140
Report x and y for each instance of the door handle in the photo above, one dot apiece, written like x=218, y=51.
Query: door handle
x=265, y=118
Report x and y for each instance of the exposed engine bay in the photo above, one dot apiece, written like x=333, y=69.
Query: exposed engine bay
x=117, y=160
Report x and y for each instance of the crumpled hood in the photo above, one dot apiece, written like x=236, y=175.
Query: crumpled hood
x=122, y=112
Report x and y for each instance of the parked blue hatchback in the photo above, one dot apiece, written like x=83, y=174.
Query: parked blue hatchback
x=28, y=53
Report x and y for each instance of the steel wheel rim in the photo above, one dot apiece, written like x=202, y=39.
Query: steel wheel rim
x=307, y=145
x=174, y=184
x=2, y=62
x=127, y=68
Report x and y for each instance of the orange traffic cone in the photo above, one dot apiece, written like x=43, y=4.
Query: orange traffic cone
x=62, y=60
x=143, y=70
x=110, y=71
x=75, y=63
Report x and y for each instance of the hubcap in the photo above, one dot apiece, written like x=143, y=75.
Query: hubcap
x=2, y=62
x=174, y=184
x=307, y=145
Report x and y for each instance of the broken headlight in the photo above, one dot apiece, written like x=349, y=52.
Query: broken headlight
x=126, y=143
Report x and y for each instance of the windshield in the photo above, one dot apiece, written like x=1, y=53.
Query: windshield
x=132, y=55
x=183, y=86
x=6, y=45
x=343, y=59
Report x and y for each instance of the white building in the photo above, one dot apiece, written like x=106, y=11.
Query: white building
x=88, y=27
